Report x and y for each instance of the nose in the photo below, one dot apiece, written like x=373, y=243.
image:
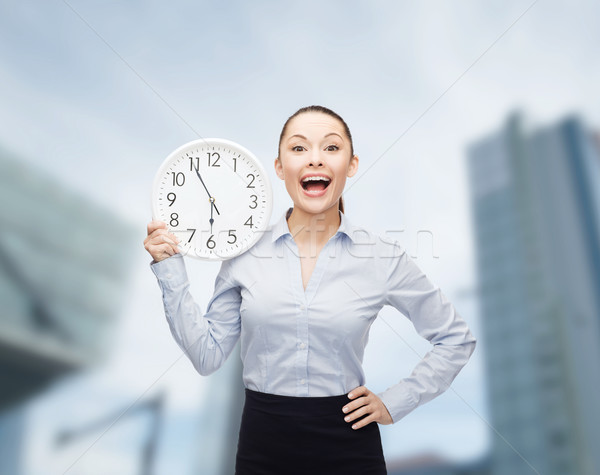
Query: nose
x=315, y=158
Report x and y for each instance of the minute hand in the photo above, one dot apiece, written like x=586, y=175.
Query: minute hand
x=204, y=185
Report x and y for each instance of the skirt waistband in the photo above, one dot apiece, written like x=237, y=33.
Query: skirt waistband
x=294, y=405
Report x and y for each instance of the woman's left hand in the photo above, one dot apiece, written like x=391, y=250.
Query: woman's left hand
x=365, y=402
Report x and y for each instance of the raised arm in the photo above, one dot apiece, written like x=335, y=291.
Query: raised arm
x=206, y=338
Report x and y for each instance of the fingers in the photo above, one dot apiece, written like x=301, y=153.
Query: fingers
x=355, y=404
x=160, y=243
x=155, y=224
x=162, y=251
x=356, y=394
x=361, y=411
x=371, y=410
x=363, y=422
x=359, y=391
x=365, y=403
x=161, y=236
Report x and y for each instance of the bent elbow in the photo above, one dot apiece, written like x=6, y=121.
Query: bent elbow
x=206, y=370
x=472, y=344
x=210, y=362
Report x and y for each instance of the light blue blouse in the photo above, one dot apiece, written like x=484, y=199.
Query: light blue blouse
x=311, y=343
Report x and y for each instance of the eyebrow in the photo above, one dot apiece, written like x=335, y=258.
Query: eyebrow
x=303, y=137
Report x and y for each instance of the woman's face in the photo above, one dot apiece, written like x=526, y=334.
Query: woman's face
x=315, y=144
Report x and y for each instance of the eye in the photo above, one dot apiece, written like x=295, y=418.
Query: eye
x=297, y=148
x=332, y=148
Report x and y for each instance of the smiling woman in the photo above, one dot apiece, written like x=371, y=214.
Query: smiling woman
x=303, y=316
x=334, y=140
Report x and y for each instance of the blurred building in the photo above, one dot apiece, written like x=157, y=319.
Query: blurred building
x=221, y=414
x=536, y=213
x=431, y=464
x=62, y=269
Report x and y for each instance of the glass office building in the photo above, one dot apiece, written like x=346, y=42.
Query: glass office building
x=61, y=286
x=536, y=214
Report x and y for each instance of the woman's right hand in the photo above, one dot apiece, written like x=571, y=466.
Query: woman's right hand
x=160, y=243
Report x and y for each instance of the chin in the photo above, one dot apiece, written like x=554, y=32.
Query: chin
x=316, y=208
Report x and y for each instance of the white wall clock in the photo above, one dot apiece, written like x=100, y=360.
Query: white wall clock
x=215, y=196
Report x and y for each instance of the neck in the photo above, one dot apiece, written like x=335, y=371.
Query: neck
x=313, y=230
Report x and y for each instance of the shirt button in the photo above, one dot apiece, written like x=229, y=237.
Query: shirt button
x=302, y=307
x=303, y=381
x=302, y=345
x=169, y=276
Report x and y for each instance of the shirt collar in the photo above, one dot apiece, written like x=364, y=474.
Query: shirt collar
x=280, y=228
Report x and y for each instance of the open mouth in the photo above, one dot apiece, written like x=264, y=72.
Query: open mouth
x=315, y=184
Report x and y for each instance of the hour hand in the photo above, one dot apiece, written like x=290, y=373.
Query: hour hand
x=213, y=205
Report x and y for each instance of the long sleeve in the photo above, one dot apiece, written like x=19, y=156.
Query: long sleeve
x=435, y=319
x=207, y=338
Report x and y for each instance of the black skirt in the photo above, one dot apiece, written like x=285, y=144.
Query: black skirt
x=286, y=435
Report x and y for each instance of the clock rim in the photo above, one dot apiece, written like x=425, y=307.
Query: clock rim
x=217, y=141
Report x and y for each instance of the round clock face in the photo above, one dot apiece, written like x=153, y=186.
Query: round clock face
x=215, y=196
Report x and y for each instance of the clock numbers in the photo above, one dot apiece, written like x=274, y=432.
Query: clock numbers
x=174, y=220
x=215, y=156
x=211, y=243
x=171, y=197
x=212, y=158
x=249, y=222
x=234, y=164
x=231, y=231
x=255, y=203
x=250, y=185
x=197, y=165
x=178, y=178
x=191, y=235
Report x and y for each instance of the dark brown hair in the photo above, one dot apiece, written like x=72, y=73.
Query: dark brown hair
x=322, y=110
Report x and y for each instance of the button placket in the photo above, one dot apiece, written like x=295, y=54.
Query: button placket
x=302, y=354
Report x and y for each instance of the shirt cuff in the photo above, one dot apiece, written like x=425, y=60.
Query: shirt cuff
x=170, y=272
x=398, y=400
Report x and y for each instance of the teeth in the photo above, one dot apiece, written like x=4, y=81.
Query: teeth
x=315, y=178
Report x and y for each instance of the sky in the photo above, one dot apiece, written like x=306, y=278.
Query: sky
x=97, y=94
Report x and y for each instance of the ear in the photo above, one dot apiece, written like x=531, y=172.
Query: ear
x=353, y=166
x=279, y=168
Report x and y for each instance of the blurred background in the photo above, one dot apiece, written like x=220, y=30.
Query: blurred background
x=476, y=124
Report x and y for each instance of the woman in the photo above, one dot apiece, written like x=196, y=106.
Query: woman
x=302, y=301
